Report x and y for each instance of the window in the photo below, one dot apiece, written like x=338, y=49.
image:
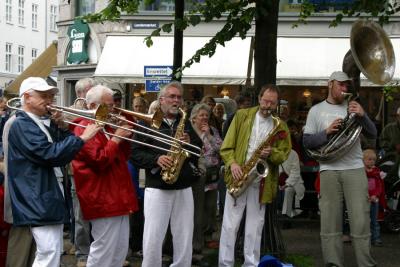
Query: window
x=53, y=18
x=34, y=16
x=21, y=58
x=84, y=7
x=21, y=12
x=8, y=11
x=8, y=57
x=34, y=54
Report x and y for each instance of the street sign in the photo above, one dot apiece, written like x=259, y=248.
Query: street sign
x=157, y=71
x=156, y=85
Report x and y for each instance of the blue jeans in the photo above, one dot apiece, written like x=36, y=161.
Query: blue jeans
x=375, y=228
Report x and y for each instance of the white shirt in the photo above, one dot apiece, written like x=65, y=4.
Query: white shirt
x=319, y=118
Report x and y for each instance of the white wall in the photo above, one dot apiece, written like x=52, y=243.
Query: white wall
x=24, y=35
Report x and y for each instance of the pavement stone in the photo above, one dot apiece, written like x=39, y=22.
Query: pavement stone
x=301, y=239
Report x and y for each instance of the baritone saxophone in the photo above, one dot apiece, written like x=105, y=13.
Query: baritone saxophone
x=177, y=154
x=255, y=166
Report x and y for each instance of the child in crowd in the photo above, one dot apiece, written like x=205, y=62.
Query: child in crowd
x=375, y=190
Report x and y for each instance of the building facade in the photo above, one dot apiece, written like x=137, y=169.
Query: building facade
x=27, y=28
x=117, y=55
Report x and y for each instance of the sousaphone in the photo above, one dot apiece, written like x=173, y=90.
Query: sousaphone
x=372, y=54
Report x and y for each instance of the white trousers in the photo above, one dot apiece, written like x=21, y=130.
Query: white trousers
x=253, y=228
x=287, y=206
x=160, y=208
x=111, y=240
x=48, y=241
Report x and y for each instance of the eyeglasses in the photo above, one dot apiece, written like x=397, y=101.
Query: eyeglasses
x=177, y=97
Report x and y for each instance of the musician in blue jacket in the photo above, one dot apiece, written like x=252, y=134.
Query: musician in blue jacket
x=36, y=148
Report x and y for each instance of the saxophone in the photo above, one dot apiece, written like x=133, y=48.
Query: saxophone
x=178, y=155
x=255, y=166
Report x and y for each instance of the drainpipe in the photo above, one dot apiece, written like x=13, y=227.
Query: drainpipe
x=46, y=26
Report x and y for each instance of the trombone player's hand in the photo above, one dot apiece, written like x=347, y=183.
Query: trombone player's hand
x=165, y=162
x=123, y=133
x=58, y=118
x=89, y=132
x=185, y=138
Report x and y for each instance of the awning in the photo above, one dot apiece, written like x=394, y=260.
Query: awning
x=123, y=59
x=41, y=67
x=300, y=61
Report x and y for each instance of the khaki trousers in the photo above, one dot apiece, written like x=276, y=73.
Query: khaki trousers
x=21, y=247
x=350, y=186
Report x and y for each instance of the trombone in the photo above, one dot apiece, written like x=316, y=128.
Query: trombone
x=155, y=120
x=100, y=116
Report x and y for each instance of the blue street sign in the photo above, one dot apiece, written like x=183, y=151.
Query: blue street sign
x=156, y=85
x=157, y=71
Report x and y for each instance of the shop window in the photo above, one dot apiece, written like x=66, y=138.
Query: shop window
x=84, y=7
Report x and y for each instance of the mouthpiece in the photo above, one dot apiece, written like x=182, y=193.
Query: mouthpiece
x=347, y=94
x=266, y=111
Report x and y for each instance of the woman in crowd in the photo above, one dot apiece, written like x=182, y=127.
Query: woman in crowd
x=205, y=190
x=219, y=111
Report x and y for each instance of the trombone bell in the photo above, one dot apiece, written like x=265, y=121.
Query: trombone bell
x=154, y=120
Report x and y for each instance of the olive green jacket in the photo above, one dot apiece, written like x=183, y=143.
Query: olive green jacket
x=234, y=149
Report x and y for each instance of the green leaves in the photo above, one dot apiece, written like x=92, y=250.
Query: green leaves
x=380, y=9
x=391, y=89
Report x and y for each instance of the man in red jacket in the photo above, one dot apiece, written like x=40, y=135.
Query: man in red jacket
x=104, y=187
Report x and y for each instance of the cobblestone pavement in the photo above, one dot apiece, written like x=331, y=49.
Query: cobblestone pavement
x=302, y=239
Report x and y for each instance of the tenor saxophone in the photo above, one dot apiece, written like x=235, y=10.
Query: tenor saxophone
x=255, y=166
x=178, y=155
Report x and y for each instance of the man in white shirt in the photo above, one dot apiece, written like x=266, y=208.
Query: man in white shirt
x=342, y=178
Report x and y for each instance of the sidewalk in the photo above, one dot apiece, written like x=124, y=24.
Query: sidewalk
x=303, y=239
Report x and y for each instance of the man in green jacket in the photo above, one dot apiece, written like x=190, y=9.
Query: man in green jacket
x=249, y=129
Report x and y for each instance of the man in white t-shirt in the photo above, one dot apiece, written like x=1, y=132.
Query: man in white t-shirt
x=342, y=178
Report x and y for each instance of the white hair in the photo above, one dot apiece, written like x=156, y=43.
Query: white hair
x=398, y=111
x=153, y=106
x=196, y=109
x=22, y=101
x=82, y=84
x=174, y=84
x=95, y=94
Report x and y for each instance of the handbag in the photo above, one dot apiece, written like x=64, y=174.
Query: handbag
x=212, y=174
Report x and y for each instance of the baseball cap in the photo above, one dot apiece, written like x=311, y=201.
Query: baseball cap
x=339, y=76
x=37, y=84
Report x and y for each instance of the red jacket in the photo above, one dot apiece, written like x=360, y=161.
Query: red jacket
x=102, y=180
x=375, y=183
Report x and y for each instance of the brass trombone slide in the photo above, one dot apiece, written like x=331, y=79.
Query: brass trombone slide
x=98, y=115
x=155, y=121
